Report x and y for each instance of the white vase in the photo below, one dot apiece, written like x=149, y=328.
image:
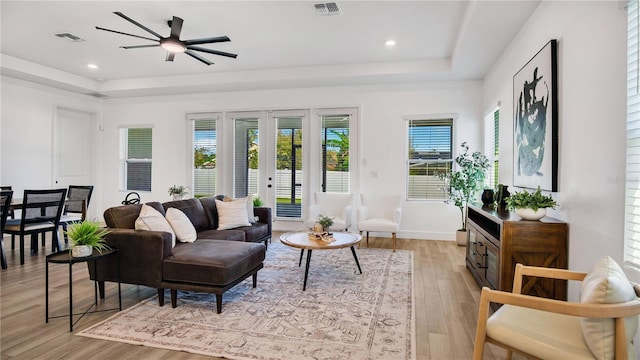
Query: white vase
x=81, y=250
x=177, y=197
x=461, y=237
x=529, y=214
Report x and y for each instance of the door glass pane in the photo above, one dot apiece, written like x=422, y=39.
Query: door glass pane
x=335, y=153
x=245, y=164
x=204, y=157
x=289, y=167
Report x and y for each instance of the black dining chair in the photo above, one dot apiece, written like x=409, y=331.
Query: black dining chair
x=5, y=205
x=75, y=208
x=41, y=210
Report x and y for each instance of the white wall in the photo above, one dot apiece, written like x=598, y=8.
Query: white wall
x=592, y=114
x=27, y=112
x=382, y=134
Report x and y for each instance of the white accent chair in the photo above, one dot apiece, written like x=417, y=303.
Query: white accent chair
x=601, y=326
x=337, y=206
x=380, y=213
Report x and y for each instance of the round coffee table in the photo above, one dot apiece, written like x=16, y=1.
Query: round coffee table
x=300, y=240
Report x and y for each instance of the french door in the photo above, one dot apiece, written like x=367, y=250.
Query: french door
x=268, y=160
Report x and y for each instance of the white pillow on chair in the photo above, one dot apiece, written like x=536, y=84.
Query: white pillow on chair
x=606, y=283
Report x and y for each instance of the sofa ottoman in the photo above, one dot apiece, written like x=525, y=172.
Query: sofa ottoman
x=211, y=266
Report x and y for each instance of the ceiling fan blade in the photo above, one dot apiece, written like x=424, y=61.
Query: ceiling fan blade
x=214, y=52
x=176, y=27
x=207, y=40
x=198, y=57
x=170, y=56
x=122, y=33
x=137, y=24
x=139, y=46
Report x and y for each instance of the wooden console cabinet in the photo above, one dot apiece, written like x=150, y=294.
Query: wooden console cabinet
x=498, y=240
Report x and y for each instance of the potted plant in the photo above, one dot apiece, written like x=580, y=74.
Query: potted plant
x=85, y=236
x=324, y=223
x=530, y=206
x=463, y=184
x=257, y=202
x=178, y=191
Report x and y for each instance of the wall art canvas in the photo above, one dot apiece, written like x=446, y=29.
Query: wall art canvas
x=535, y=100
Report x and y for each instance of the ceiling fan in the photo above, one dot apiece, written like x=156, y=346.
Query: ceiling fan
x=172, y=43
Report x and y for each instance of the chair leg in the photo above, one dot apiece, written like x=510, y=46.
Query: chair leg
x=21, y=249
x=64, y=233
x=3, y=257
x=13, y=242
x=55, y=243
x=509, y=354
x=360, y=241
x=393, y=236
x=367, y=238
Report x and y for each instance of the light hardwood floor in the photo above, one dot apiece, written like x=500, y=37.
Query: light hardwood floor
x=445, y=293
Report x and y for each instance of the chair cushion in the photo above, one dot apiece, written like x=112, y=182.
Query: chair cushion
x=380, y=206
x=606, y=283
x=543, y=334
x=181, y=225
x=150, y=219
x=378, y=224
x=232, y=214
x=212, y=262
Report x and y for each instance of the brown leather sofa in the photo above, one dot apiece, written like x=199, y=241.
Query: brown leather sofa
x=215, y=262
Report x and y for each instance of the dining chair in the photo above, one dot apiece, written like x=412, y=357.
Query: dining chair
x=41, y=210
x=75, y=208
x=5, y=204
x=337, y=206
x=380, y=213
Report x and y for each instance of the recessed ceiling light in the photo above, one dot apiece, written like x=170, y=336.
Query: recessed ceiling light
x=92, y=66
x=390, y=42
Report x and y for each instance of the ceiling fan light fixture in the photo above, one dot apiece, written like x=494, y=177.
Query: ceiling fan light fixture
x=173, y=45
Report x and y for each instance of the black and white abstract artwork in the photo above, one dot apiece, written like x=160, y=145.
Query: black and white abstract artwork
x=536, y=121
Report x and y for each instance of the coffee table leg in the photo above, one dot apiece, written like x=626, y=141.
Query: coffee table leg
x=306, y=270
x=300, y=261
x=353, y=251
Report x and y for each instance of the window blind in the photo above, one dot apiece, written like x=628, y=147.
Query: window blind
x=429, y=154
x=632, y=203
x=138, y=159
x=335, y=153
x=491, y=147
x=204, y=156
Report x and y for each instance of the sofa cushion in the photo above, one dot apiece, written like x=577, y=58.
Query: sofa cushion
x=248, y=201
x=124, y=217
x=151, y=219
x=606, y=283
x=255, y=232
x=212, y=262
x=209, y=204
x=232, y=214
x=181, y=225
x=233, y=235
x=194, y=211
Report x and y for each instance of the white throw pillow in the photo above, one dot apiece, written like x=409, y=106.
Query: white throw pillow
x=249, y=204
x=150, y=219
x=606, y=283
x=181, y=225
x=232, y=214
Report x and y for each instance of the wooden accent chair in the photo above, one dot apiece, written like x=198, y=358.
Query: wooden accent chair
x=380, y=213
x=601, y=326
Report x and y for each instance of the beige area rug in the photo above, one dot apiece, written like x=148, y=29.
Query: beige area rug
x=341, y=315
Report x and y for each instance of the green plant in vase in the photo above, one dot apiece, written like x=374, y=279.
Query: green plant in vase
x=530, y=205
x=178, y=191
x=325, y=222
x=463, y=184
x=85, y=236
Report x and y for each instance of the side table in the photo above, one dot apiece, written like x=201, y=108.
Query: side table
x=64, y=257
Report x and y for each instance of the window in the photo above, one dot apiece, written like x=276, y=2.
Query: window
x=135, y=158
x=632, y=208
x=246, y=140
x=491, y=147
x=429, y=154
x=335, y=153
x=204, y=154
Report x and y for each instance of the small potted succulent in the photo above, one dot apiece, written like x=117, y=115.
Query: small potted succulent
x=178, y=191
x=324, y=223
x=530, y=206
x=85, y=236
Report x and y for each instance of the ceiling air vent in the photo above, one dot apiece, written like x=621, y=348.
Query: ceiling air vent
x=70, y=37
x=326, y=9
